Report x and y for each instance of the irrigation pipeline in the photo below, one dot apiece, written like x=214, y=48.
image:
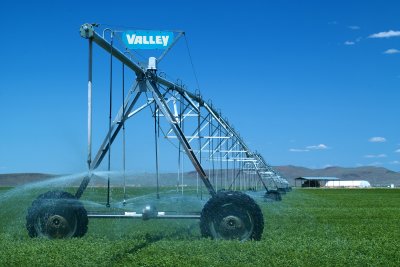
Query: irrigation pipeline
x=222, y=142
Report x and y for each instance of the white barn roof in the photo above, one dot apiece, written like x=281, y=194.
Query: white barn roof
x=359, y=184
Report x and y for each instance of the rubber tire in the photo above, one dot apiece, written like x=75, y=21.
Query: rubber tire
x=228, y=204
x=57, y=204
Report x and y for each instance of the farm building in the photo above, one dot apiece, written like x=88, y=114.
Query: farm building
x=348, y=184
x=311, y=181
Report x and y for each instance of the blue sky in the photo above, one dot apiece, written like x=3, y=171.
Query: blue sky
x=308, y=83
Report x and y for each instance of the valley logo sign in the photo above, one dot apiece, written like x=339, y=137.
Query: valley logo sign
x=147, y=39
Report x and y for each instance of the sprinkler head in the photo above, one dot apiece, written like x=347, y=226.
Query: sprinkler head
x=149, y=212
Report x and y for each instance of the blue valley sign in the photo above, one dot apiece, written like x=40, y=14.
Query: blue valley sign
x=147, y=39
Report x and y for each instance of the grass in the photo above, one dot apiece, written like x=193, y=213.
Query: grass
x=332, y=227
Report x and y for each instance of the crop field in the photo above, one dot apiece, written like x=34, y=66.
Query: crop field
x=310, y=227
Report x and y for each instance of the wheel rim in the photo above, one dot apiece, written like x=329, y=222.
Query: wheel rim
x=232, y=222
x=56, y=224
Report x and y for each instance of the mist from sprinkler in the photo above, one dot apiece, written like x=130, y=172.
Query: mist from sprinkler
x=16, y=201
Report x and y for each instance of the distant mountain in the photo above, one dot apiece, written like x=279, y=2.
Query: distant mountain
x=377, y=176
x=15, y=179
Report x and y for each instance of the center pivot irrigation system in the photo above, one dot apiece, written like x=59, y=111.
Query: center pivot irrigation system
x=193, y=126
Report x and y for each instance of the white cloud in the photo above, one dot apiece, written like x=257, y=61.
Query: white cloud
x=397, y=150
x=354, y=27
x=375, y=156
x=396, y=162
x=377, y=139
x=298, y=150
x=376, y=163
x=349, y=43
x=392, y=51
x=318, y=147
x=309, y=148
x=387, y=34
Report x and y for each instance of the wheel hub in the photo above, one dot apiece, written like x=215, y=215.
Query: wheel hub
x=231, y=223
x=58, y=227
x=234, y=226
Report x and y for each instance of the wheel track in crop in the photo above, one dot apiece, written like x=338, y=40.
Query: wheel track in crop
x=148, y=240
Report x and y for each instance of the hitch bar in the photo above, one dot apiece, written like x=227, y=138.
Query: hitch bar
x=144, y=216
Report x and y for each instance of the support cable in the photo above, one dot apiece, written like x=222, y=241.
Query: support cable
x=191, y=62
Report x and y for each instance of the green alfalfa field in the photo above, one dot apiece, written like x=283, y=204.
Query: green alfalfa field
x=309, y=227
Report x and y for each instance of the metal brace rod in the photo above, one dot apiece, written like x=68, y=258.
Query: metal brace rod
x=136, y=111
x=260, y=177
x=209, y=139
x=188, y=99
x=113, y=132
x=182, y=116
x=222, y=141
x=200, y=128
x=196, y=137
x=163, y=106
x=148, y=103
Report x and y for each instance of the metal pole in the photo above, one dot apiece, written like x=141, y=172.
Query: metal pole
x=182, y=110
x=220, y=160
x=156, y=143
x=213, y=162
x=180, y=154
x=179, y=167
x=209, y=149
x=109, y=124
x=89, y=158
x=199, y=134
x=123, y=131
x=234, y=169
x=227, y=163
